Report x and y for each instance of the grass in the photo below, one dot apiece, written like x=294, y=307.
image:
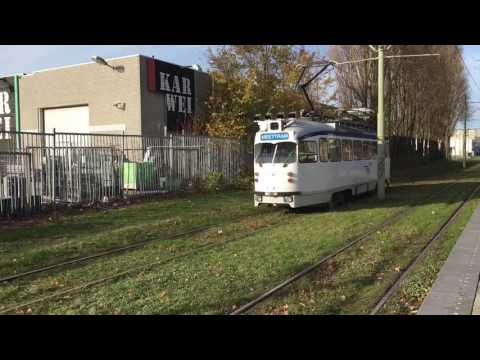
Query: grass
x=212, y=281
x=413, y=290
x=24, y=248
x=248, y=255
x=356, y=279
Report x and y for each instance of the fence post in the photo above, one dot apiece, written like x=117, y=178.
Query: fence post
x=170, y=155
x=209, y=158
x=122, y=168
x=53, y=170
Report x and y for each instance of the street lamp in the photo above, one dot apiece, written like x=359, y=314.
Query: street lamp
x=101, y=61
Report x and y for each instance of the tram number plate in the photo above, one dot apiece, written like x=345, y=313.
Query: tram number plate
x=277, y=136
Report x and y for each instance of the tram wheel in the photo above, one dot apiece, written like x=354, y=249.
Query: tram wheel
x=337, y=199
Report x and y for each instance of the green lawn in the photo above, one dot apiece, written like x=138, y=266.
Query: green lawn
x=249, y=251
x=416, y=287
x=70, y=236
x=353, y=281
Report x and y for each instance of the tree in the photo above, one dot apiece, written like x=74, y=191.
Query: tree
x=424, y=97
x=251, y=79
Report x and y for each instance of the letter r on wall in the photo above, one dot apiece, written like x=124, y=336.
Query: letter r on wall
x=4, y=107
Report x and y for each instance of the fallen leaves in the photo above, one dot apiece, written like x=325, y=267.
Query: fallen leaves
x=282, y=310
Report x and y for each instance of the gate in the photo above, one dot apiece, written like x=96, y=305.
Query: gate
x=18, y=194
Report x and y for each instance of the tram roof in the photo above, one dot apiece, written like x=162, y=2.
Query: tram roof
x=307, y=128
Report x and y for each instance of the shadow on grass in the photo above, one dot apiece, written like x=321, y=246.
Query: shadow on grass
x=400, y=196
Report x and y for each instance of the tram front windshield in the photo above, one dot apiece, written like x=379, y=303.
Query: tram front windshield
x=281, y=153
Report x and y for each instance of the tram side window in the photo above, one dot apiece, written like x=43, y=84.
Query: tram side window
x=323, y=150
x=366, y=150
x=334, y=150
x=347, y=150
x=308, y=152
x=357, y=150
x=373, y=150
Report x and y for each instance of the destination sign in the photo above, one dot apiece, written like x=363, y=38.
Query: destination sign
x=276, y=136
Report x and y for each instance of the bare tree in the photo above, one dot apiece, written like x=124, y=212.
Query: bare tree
x=424, y=97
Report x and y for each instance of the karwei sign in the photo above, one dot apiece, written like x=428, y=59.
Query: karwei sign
x=176, y=82
x=7, y=107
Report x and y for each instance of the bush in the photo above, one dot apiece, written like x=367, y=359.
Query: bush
x=244, y=182
x=214, y=182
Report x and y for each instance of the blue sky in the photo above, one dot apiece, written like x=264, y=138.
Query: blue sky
x=471, y=55
x=29, y=58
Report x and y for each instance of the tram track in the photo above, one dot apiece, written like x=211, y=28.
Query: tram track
x=132, y=271
x=390, y=221
x=395, y=217
x=139, y=269
x=116, y=250
x=122, y=249
x=393, y=288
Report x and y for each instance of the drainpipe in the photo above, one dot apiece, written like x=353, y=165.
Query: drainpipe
x=17, y=110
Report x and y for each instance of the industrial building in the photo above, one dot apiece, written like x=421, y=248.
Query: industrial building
x=456, y=143
x=133, y=95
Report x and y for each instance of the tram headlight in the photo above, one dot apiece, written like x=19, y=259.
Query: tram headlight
x=258, y=198
x=288, y=199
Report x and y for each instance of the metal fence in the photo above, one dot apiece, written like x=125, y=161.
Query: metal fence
x=45, y=168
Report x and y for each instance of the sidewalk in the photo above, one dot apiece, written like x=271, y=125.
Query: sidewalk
x=454, y=292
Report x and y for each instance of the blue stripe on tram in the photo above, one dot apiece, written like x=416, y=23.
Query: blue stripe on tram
x=340, y=134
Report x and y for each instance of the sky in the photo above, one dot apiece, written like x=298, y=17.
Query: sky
x=471, y=55
x=29, y=58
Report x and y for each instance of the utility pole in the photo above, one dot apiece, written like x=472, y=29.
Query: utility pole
x=380, y=50
x=381, y=127
x=465, y=136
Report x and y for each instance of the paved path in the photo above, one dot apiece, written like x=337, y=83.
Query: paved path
x=476, y=306
x=455, y=289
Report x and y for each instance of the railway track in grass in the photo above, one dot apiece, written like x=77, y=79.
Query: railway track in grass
x=393, y=288
x=193, y=251
x=115, y=251
x=390, y=221
x=132, y=271
x=138, y=269
x=122, y=249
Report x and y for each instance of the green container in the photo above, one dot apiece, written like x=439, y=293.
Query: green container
x=138, y=176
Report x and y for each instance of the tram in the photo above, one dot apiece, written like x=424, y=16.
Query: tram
x=300, y=162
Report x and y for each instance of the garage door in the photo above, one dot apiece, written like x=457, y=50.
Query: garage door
x=70, y=120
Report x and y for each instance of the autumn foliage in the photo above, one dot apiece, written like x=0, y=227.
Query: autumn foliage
x=251, y=79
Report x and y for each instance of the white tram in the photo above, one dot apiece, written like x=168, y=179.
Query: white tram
x=299, y=162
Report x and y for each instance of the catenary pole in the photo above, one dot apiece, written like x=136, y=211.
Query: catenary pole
x=381, y=127
x=380, y=58
x=465, y=136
